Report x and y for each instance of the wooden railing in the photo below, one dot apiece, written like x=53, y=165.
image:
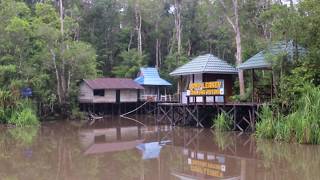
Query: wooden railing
x=161, y=98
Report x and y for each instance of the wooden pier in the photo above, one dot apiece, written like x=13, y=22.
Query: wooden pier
x=244, y=115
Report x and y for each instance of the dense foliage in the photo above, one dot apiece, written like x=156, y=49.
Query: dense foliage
x=51, y=45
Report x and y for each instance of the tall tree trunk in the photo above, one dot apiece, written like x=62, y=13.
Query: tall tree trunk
x=157, y=44
x=236, y=28
x=53, y=57
x=62, y=73
x=189, y=47
x=130, y=41
x=160, y=55
x=157, y=53
x=238, y=44
x=138, y=26
x=177, y=21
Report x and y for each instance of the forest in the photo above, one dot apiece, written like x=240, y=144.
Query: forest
x=51, y=45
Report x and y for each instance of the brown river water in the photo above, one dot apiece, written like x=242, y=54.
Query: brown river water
x=119, y=149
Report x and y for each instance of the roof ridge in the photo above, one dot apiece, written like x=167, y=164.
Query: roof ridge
x=205, y=66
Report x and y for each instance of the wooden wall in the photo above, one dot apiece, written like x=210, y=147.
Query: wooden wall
x=85, y=94
x=228, y=82
x=110, y=95
x=128, y=95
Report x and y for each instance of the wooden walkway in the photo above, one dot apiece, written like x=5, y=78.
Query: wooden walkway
x=244, y=115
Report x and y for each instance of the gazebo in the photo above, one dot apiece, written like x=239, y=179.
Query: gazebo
x=205, y=78
x=153, y=84
x=260, y=61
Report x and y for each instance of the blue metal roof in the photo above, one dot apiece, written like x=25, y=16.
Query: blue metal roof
x=205, y=64
x=150, y=76
x=260, y=59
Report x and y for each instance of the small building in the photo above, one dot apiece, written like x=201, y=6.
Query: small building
x=154, y=85
x=261, y=62
x=109, y=90
x=205, y=78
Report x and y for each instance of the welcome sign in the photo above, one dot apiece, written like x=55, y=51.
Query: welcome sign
x=214, y=88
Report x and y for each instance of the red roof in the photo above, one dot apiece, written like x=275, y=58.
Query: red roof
x=112, y=83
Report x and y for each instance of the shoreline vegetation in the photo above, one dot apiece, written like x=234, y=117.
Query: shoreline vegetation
x=16, y=111
x=300, y=125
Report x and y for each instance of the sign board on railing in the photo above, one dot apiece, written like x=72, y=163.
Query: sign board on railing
x=214, y=88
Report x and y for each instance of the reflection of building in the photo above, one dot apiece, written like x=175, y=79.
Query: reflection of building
x=201, y=154
x=97, y=141
x=151, y=150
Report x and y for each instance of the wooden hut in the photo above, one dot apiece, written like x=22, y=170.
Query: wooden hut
x=99, y=95
x=154, y=85
x=205, y=79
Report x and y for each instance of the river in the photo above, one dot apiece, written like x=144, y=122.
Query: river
x=119, y=149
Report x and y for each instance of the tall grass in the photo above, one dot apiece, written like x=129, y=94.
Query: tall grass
x=222, y=122
x=16, y=111
x=24, y=115
x=302, y=125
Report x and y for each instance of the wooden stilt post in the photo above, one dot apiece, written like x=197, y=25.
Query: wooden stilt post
x=252, y=76
x=184, y=115
x=172, y=116
x=197, y=113
x=234, y=117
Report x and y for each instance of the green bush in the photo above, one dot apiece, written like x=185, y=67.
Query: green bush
x=222, y=122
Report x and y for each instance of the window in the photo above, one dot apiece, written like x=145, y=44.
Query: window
x=98, y=92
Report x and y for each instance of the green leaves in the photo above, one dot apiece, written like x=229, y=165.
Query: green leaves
x=130, y=64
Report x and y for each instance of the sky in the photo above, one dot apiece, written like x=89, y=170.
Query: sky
x=288, y=2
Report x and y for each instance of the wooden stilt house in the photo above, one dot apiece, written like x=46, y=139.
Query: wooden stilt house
x=205, y=78
x=109, y=91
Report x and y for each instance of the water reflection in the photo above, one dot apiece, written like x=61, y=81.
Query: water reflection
x=117, y=149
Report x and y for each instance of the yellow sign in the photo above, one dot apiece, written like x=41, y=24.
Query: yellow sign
x=206, y=88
